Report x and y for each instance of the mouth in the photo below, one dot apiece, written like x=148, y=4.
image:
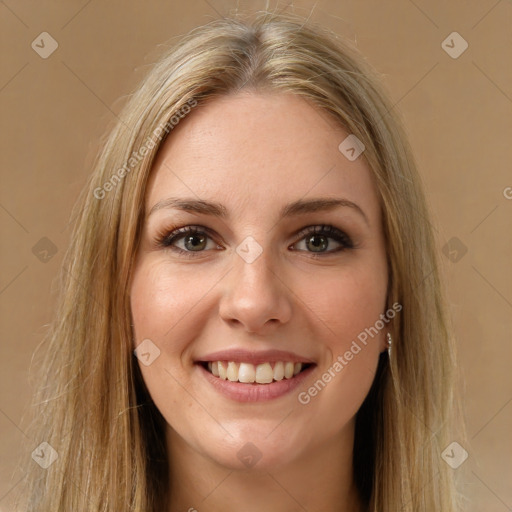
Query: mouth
x=259, y=382
x=255, y=374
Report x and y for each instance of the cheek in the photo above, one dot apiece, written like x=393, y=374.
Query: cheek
x=346, y=309
x=162, y=306
x=160, y=301
x=346, y=303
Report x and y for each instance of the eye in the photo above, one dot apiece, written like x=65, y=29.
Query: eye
x=195, y=239
x=316, y=239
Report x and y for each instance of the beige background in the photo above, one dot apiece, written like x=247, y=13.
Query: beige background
x=458, y=113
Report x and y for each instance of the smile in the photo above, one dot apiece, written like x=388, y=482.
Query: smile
x=247, y=382
x=248, y=373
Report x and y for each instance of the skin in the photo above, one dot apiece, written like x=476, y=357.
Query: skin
x=255, y=152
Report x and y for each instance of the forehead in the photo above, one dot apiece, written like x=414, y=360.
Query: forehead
x=255, y=152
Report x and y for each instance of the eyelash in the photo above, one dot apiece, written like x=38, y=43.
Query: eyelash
x=167, y=238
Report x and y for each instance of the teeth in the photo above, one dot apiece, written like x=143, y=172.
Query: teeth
x=288, y=370
x=264, y=373
x=279, y=371
x=248, y=373
x=222, y=370
x=232, y=372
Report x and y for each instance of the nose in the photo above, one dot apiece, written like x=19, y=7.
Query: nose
x=255, y=296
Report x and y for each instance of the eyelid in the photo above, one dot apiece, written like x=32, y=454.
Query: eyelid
x=325, y=229
x=164, y=237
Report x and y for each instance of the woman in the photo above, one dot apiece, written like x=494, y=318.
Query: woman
x=251, y=315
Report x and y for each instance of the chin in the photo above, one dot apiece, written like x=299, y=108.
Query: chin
x=256, y=449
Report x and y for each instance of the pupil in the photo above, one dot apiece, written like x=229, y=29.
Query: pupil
x=192, y=237
x=323, y=244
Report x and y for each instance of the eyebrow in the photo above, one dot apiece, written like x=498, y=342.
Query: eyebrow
x=299, y=207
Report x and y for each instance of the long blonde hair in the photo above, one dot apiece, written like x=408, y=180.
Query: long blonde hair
x=92, y=405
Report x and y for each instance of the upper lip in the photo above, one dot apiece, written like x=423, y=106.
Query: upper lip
x=254, y=357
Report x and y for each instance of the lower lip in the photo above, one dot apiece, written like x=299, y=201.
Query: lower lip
x=241, y=392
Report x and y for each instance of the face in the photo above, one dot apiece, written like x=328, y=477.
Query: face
x=256, y=289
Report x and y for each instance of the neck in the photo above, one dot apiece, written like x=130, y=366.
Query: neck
x=317, y=480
